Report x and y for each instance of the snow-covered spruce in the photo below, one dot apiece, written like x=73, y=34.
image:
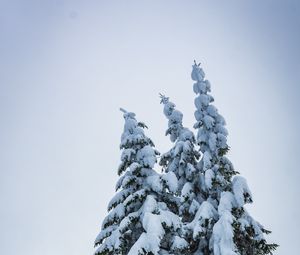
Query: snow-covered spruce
x=139, y=219
x=221, y=226
x=181, y=160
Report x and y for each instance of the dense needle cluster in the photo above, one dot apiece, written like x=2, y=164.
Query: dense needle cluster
x=196, y=205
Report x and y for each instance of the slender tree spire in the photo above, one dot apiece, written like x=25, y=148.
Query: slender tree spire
x=182, y=160
x=224, y=227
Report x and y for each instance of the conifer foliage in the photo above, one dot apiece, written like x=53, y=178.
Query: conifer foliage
x=196, y=206
x=182, y=160
x=228, y=228
x=139, y=221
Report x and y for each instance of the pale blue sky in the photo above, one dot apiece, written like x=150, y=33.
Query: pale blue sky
x=67, y=66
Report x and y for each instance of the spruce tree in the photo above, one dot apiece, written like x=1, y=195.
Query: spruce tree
x=222, y=226
x=196, y=206
x=182, y=159
x=140, y=220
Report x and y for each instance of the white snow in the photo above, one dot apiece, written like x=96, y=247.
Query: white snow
x=150, y=204
x=111, y=242
x=227, y=202
x=209, y=176
x=146, y=156
x=170, y=219
x=190, y=170
x=141, y=208
x=212, y=111
x=186, y=191
x=118, y=198
x=197, y=73
x=205, y=211
x=149, y=241
x=171, y=181
x=127, y=220
x=222, y=238
x=179, y=244
x=212, y=141
x=208, y=121
x=240, y=189
x=134, y=196
x=117, y=213
x=105, y=233
x=127, y=179
x=194, y=207
x=127, y=154
x=155, y=183
x=222, y=140
x=206, y=160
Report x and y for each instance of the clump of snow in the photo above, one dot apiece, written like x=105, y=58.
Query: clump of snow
x=247, y=221
x=150, y=204
x=212, y=141
x=127, y=154
x=209, y=176
x=206, y=159
x=154, y=183
x=117, y=213
x=205, y=212
x=149, y=241
x=241, y=191
x=222, y=140
x=197, y=73
x=105, y=233
x=146, y=156
x=190, y=171
x=179, y=244
x=126, y=221
x=212, y=111
x=227, y=202
x=138, y=195
x=186, y=191
x=222, y=238
x=186, y=135
x=170, y=219
x=194, y=207
x=171, y=181
x=118, y=198
x=112, y=242
x=152, y=225
x=127, y=179
x=208, y=121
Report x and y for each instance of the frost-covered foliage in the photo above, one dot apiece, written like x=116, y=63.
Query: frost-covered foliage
x=197, y=206
x=182, y=161
x=139, y=219
x=227, y=229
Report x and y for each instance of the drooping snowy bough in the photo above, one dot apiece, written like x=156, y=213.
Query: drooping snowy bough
x=139, y=219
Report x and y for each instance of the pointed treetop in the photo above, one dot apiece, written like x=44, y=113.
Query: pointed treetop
x=164, y=99
x=127, y=115
x=197, y=73
x=195, y=63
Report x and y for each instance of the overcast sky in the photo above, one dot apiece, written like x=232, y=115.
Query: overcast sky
x=67, y=66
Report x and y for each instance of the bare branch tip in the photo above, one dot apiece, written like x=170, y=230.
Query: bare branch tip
x=196, y=63
x=123, y=110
